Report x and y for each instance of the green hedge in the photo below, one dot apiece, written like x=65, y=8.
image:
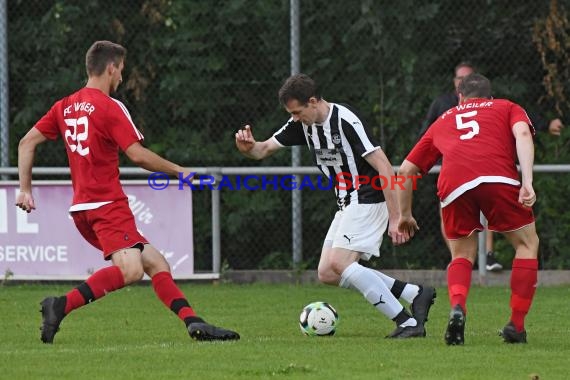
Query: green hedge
x=198, y=70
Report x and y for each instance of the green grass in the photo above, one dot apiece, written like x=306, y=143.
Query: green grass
x=130, y=335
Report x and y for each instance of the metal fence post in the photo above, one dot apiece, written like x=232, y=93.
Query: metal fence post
x=482, y=240
x=216, y=225
x=296, y=201
x=4, y=103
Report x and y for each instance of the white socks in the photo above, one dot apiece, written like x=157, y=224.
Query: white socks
x=373, y=288
x=409, y=292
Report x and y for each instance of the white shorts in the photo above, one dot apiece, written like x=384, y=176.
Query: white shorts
x=359, y=228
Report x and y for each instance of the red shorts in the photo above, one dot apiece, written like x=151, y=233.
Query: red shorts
x=109, y=228
x=497, y=201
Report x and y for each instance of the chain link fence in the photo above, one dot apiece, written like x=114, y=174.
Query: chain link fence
x=198, y=70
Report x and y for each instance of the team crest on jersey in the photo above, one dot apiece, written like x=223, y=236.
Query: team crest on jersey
x=336, y=139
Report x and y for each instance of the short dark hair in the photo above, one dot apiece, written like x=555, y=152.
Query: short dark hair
x=100, y=54
x=299, y=87
x=464, y=64
x=475, y=86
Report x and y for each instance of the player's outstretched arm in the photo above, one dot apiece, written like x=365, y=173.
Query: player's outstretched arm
x=407, y=224
x=525, y=155
x=147, y=159
x=26, y=153
x=247, y=145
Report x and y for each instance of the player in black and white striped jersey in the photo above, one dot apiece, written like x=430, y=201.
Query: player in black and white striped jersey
x=343, y=149
x=338, y=146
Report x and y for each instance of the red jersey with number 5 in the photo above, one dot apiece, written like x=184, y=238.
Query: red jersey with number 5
x=476, y=142
x=94, y=127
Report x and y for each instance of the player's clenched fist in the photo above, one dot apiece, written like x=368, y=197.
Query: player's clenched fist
x=25, y=201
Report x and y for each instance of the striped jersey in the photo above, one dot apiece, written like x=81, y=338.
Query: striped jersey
x=94, y=127
x=338, y=146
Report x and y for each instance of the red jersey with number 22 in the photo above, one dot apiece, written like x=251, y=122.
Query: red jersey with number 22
x=94, y=127
x=476, y=142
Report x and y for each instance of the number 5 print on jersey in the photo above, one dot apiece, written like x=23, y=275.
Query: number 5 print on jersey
x=470, y=124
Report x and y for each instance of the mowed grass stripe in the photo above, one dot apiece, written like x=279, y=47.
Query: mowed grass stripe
x=130, y=335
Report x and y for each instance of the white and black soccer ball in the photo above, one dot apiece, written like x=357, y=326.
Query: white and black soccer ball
x=318, y=318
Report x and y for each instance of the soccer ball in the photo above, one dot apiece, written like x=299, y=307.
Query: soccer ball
x=318, y=318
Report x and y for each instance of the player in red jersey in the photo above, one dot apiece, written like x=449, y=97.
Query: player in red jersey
x=479, y=141
x=94, y=127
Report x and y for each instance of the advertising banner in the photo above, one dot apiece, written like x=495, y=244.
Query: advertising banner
x=45, y=243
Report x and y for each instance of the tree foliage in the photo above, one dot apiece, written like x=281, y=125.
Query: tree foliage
x=198, y=70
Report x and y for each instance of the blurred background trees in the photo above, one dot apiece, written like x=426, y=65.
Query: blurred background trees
x=198, y=70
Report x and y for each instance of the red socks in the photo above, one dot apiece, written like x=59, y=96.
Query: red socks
x=524, y=277
x=459, y=281
x=96, y=286
x=172, y=297
x=109, y=279
x=523, y=285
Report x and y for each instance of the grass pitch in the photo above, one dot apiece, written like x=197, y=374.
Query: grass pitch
x=130, y=335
